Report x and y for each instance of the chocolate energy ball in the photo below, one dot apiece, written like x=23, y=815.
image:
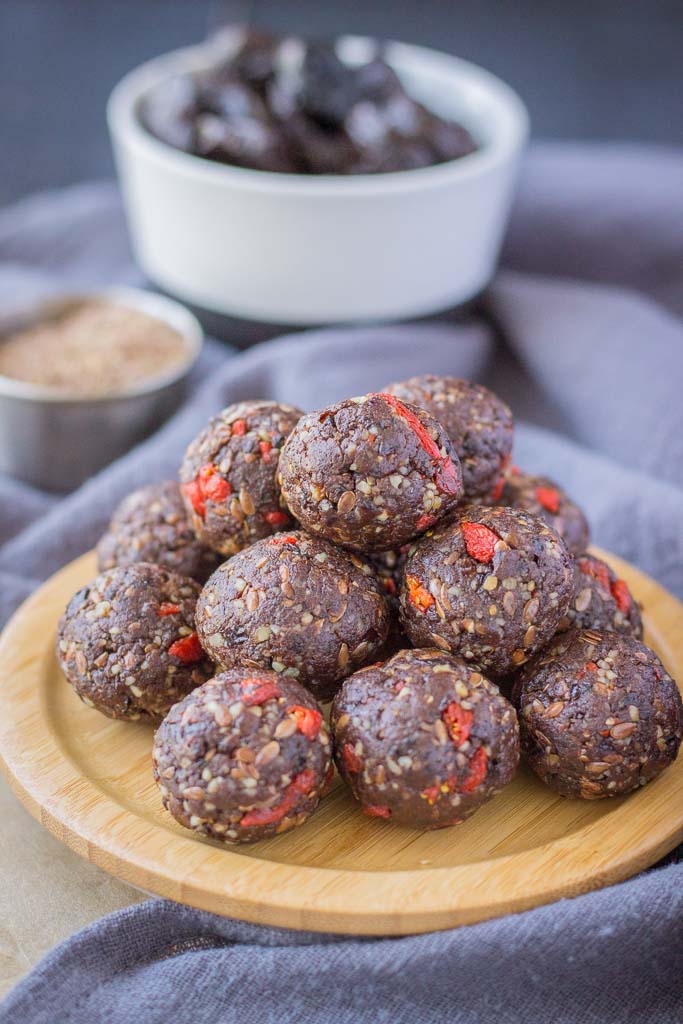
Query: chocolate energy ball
x=491, y=585
x=152, y=525
x=297, y=605
x=601, y=601
x=228, y=475
x=243, y=757
x=127, y=642
x=424, y=739
x=369, y=473
x=599, y=714
x=544, y=498
x=478, y=423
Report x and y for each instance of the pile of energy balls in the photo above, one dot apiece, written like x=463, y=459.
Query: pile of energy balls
x=384, y=554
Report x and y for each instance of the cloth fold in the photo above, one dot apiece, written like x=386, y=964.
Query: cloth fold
x=158, y=962
x=578, y=334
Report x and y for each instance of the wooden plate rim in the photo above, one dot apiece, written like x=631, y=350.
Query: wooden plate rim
x=316, y=898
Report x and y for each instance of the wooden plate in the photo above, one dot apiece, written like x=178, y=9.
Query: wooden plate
x=89, y=781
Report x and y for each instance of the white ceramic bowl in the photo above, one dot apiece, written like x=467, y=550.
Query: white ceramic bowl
x=301, y=249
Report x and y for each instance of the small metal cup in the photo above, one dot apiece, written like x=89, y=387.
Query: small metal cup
x=54, y=440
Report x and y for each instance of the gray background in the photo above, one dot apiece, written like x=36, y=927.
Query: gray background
x=587, y=69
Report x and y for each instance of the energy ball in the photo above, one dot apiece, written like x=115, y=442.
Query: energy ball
x=369, y=473
x=295, y=604
x=492, y=586
x=544, y=498
x=478, y=423
x=599, y=714
x=601, y=601
x=243, y=757
x=229, y=475
x=151, y=525
x=127, y=642
x=423, y=740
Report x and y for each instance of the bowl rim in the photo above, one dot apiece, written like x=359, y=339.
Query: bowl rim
x=171, y=312
x=127, y=129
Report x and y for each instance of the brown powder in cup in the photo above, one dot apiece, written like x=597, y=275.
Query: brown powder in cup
x=93, y=348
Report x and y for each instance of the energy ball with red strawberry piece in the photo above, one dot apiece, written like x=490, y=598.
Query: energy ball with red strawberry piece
x=478, y=423
x=544, y=498
x=229, y=475
x=369, y=473
x=244, y=757
x=152, y=525
x=295, y=604
x=127, y=642
x=492, y=586
x=599, y=714
x=423, y=740
x=602, y=601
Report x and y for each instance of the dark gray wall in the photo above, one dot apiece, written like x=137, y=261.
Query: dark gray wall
x=587, y=69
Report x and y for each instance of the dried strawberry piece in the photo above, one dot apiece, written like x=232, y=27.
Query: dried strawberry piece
x=479, y=541
x=303, y=782
x=477, y=773
x=389, y=585
x=447, y=479
x=308, y=720
x=430, y=794
x=548, y=498
x=414, y=422
x=276, y=518
x=208, y=484
x=458, y=721
x=239, y=428
x=495, y=494
x=195, y=497
x=621, y=595
x=418, y=595
x=213, y=485
x=266, y=448
x=377, y=811
x=352, y=761
x=300, y=785
x=327, y=784
x=590, y=666
x=283, y=540
x=591, y=567
x=258, y=691
x=187, y=649
x=166, y=608
x=425, y=521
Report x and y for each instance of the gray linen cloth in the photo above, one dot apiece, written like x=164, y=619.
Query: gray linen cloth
x=579, y=333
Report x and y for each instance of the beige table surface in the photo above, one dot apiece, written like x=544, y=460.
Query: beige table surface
x=47, y=892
